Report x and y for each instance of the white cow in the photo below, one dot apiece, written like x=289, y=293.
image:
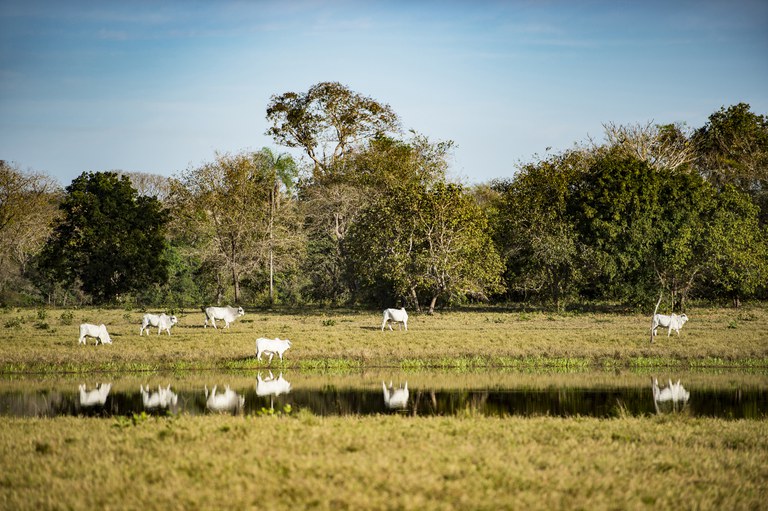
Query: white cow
x=272, y=386
x=225, y=314
x=98, y=332
x=95, y=397
x=395, y=316
x=271, y=346
x=163, y=398
x=229, y=401
x=161, y=322
x=670, y=322
x=395, y=398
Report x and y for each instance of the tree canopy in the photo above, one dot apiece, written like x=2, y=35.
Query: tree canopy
x=369, y=214
x=110, y=240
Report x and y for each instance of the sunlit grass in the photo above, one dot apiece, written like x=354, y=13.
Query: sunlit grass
x=352, y=339
x=388, y=462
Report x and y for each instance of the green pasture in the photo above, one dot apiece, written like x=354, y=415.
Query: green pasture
x=45, y=340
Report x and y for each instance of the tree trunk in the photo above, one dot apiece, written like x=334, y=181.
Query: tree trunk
x=736, y=301
x=271, y=244
x=432, y=304
x=415, y=299
x=236, y=282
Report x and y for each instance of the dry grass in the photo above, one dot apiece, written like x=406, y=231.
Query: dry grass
x=387, y=462
x=344, y=339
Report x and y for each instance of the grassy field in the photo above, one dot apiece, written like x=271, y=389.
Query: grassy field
x=300, y=461
x=46, y=340
x=387, y=462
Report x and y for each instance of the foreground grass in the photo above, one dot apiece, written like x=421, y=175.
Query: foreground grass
x=387, y=462
x=46, y=341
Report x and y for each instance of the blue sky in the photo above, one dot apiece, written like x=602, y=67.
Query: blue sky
x=160, y=86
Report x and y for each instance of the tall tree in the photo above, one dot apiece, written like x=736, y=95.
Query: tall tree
x=427, y=243
x=281, y=231
x=736, y=247
x=237, y=216
x=732, y=148
x=538, y=241
x=334, y=202
x=327, y=121
x=28, y=207
x=110, y=240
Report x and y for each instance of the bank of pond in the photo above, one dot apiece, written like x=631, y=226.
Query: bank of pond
x=730, y=394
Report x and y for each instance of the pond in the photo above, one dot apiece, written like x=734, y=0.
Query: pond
x=725, y=394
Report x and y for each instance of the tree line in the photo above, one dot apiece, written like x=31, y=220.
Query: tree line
x=369, y=215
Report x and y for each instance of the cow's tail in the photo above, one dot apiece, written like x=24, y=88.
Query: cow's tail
x=654, y=313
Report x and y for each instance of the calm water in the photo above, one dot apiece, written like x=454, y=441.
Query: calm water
x=731, y=395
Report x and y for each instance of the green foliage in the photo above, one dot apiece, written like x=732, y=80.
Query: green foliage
x=327, y=122
x=425, y=244
x=14, y=322
x=737, y=248
x=110, y=241
x=532, y=229
x=235, y=221
x=67, y=317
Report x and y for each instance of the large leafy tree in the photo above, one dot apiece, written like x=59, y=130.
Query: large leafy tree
x=334, y=201
x=327, y=122
x=537, y=239
x=28, y=207
x=110, y=240
x=426, y=244
x=732, y=149
x=614, y=206
x=235, y=214
x=736, y=247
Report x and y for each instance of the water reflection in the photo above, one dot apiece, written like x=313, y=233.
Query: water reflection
x=229, y=401
x=272, y=386
x=95, y=397
x=419, y=394
x=164, y=398
x=671, y=398
x=395, y=398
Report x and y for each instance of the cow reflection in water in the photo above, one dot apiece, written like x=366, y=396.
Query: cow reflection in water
x=163, y=398
x=228, y=401
x=272, y=386
x=395, y=398
x=672, y=398
x=95, y=397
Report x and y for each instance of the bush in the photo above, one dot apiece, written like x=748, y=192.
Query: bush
x=67, y=317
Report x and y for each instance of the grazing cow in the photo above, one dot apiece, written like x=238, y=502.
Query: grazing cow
x=395, y=398
x=163, y=398
x=161, y=322
x=395, y=316
x=98, y=332
x=95, y=397
x=229, y=401
x=272, y=386
x=225, y=314
x=670, y=322
x=271, y=346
